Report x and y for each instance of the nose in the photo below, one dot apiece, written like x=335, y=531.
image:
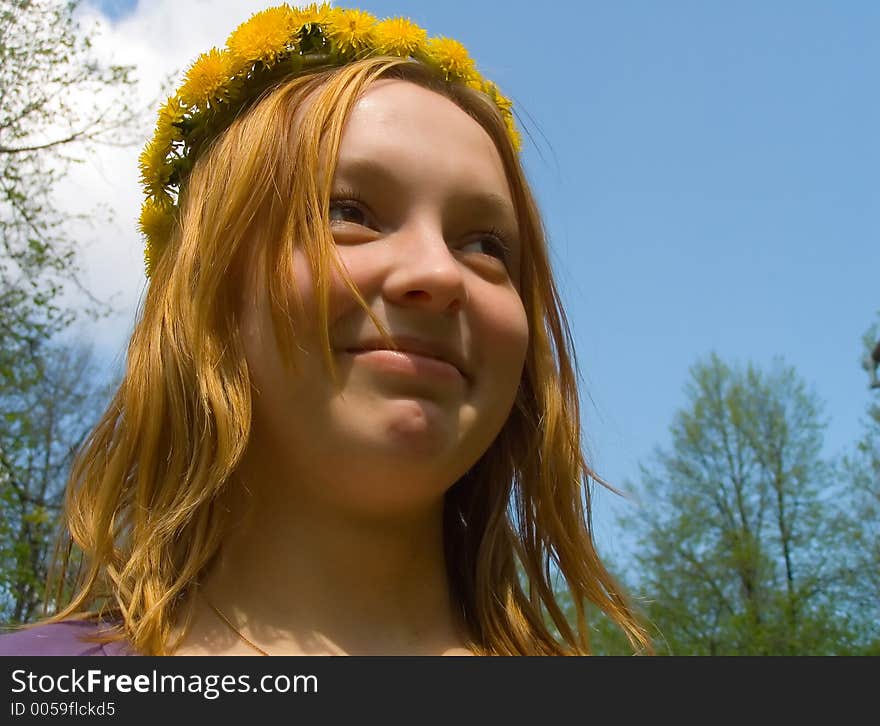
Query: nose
x=424, y=272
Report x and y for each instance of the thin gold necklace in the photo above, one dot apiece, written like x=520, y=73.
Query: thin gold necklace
x=233, y=628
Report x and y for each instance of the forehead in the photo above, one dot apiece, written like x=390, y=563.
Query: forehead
x=423, y=135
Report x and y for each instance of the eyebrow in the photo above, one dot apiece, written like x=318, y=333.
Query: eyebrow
x=495, y=206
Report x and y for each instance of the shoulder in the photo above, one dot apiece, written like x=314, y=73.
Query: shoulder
x=64, y=638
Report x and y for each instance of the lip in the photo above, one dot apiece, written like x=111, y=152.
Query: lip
x=415, y=349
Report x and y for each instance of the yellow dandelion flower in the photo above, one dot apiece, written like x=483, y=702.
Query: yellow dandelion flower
x=399, y=36
x=156, y=179
x=155, y=172
x=312, y=14
x=266, y=36
x=502, y=101
x=453, y=59
x=350, y=30
x=513, y=132
x=504, y=104
x=166, y=130
x=478, y=84
x=170, y=114
x=206, y=79
x=155, y=224
x=172, y=110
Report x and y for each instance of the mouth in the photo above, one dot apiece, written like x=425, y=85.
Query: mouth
x=410, y=355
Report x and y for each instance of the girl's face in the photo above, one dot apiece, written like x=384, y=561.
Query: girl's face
x=425, y=224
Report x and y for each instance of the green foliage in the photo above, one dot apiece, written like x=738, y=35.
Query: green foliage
x=57, y=102
x=52, y=417
x=870, y=339
x=859, y=470
x=606, y=637
x=744, y=534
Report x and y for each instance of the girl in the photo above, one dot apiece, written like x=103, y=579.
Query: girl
x=349, y=420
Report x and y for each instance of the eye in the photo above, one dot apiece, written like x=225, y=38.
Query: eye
x=348, y=211
x=491, y=243
x=347, y=207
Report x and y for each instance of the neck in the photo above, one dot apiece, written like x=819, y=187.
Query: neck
x=296, y=576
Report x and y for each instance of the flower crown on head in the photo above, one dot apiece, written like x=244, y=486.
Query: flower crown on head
x=276, y=43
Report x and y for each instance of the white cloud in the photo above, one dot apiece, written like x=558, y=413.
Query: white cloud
x=160, y=38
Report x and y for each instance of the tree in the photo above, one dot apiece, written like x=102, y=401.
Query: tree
x=46, y=423
x=56, y=103
x=741, y=541
x=860, y=470
x=871, y=358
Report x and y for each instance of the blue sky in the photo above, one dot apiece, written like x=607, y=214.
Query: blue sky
x=115, y=9
x=708, y=174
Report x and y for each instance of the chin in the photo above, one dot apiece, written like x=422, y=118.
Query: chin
x=400, y=425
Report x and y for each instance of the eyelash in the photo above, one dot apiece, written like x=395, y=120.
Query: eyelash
x=498, y=236
x=351, y=197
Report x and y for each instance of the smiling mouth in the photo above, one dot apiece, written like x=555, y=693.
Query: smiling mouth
x=407, y=363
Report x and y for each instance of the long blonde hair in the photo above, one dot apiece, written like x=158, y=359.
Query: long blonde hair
x=142, y=504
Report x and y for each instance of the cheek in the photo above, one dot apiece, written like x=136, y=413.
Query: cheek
x=505, y=329
x=364, y=270
x=270, y=378
x=262, y=356
x=303, y=283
